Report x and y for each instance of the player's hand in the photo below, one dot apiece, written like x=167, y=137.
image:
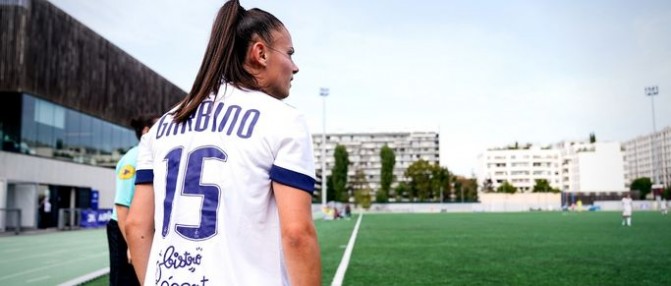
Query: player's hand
x=128, y=255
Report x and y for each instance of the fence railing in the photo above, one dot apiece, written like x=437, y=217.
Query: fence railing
x=11, y=215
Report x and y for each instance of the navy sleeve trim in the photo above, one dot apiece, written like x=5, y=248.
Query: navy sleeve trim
x=144, y=177
x=292, y=179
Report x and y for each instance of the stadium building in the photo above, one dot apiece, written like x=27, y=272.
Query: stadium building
x=639, y=152
x=67, y=99
x=364, y=152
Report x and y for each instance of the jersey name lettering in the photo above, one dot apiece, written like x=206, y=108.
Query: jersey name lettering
x=232, y=120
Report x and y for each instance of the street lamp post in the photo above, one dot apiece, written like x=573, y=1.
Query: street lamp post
x=323, y=92
x=652, y=91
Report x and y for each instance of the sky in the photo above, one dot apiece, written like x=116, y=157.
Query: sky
x=482, y=73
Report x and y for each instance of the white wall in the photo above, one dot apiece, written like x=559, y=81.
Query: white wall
x=603, y=169
x=18, y=168
x=24, y=197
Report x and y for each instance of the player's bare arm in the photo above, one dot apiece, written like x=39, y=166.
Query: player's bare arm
x=140, y=228
x=299, y=237
x=122, y=216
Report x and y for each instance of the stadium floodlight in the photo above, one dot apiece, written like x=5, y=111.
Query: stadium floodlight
x=652, y=91
x=323, y=92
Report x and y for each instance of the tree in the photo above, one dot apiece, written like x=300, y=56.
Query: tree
x=506, y=188
x=401, y=190
x=592, y=138
x=359, y=181
x=339, y=173
x=419, y=174
x=667, y=193
x=330, y=190
x=471, y=190
x=643, y=185
x=388, y=159
x=543, y=186
x=361, y=189
x=363, y=198
x=440, y=181
x=468, y=188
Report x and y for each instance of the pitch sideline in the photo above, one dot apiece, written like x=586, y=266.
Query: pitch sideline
x=340, y=273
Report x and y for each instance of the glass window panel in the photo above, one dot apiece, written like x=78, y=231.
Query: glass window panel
x=117, y=139
x=42, y=113
x=59, y=141
x=59, y=117
x=10, y=121
x=45, y=140
x=106, y=135
x=87, y=134
x=96, y=137
x=72, y=129
x=131, y=139
x=28, y=125
x=117, y=143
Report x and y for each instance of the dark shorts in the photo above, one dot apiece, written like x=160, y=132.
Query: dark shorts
x=121, y=272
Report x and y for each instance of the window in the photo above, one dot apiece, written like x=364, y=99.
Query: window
x=50, y=130
x=49, y=114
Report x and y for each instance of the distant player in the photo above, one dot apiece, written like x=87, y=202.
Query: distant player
x=227, y=176
x=626, y=210
x=664, y=207
x=121, y=271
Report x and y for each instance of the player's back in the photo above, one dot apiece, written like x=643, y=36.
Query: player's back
x=215, y=215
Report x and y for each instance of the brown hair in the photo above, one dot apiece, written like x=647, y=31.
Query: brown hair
x=232, y=32
x=142, y=121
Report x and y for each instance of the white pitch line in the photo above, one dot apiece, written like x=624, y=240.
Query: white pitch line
x=51, y=265
x=37, y=279
x=340, y=273
x=85, y=278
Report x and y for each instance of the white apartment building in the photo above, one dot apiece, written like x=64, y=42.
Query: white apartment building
x=570, y=166
x=519, y=166
x=591, y=167
x=638, y=154
x=363, y=151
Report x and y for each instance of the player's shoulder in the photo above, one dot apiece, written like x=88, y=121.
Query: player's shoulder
x=126, y=164
x=277, y=110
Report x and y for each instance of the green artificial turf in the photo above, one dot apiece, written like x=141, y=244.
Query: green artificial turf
x=589, y=248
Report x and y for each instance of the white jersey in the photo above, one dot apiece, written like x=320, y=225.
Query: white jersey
x=626, y=206
x=215, y=215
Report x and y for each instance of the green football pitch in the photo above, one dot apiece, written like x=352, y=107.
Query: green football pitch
x=542, y=248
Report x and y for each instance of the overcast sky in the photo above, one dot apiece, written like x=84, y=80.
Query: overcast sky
x=482, y=73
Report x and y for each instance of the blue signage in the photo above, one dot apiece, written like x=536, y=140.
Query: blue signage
x=95, y=218
x=94, y=199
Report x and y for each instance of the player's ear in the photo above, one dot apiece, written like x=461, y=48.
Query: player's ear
x=258, y=54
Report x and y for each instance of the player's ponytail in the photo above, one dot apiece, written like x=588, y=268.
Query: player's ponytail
x=219, y=54
x=224, y=58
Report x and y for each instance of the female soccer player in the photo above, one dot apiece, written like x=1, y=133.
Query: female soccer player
x=626, y=210
x=224, y=180
x=121, y=271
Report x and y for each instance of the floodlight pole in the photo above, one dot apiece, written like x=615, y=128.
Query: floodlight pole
x=323, y=92
x=652, y=91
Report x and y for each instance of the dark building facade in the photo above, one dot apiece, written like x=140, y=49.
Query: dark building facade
x=66, y=99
